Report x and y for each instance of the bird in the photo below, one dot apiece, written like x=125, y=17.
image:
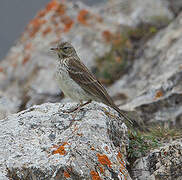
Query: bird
x=78, y=83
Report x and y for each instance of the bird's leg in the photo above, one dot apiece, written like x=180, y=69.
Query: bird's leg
x=78, y=107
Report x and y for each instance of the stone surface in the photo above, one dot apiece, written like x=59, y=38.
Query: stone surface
x=153, y=85
x=175, y=6
x=164, y=163
x=28, y=70
x=43, y=142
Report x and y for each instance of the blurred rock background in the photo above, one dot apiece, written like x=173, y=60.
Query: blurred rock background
x=134, y=49
x=14, y=16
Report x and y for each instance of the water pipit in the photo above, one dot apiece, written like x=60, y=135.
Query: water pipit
x=78, y=83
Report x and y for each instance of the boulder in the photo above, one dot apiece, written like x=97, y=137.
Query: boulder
x=153, y=84
x=29, y=68
x=163, y=163
x=45, y=142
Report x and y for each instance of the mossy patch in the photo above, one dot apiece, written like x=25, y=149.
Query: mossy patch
x=140, y=143
x=125, y=48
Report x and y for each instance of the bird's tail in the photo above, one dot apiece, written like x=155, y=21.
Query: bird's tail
x=130, y=121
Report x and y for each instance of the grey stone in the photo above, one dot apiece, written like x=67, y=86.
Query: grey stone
x=28, y=70
x=162, y=163
x=43, y=142
x=153, y=85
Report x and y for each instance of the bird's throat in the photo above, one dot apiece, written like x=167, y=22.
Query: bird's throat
x=62, y=56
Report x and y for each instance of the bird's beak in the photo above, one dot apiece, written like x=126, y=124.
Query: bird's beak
x=54, y=49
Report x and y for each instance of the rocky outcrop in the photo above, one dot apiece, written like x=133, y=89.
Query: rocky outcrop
x=44, y=142
x=163, y=163
x=153, y=85
x=27, y=73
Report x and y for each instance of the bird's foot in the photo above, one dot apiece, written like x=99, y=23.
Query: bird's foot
x=77, y=109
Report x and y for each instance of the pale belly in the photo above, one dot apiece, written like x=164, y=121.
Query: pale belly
x=70, y=88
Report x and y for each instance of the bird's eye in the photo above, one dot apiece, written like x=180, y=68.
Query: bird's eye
x=65, y=48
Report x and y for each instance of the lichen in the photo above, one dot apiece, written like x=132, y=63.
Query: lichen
x=66, y=174
x=104, y=160
x=83, y=16
x=95, y=175
x=124, y=49
x=61, y=149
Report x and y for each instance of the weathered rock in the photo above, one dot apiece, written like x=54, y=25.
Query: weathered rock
x=136, y=12
x=175, y=6
x=164, y=163
x=29, y=67
x=43, y=142
x=153, y=85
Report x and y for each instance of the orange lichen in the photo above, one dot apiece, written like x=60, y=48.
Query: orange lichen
x=107, y=35
x=41, y=13
x=60, y=9
x=92, y=148
x=120, y=158
x=60, y=150
x=46, y=31
x=158, y=94
x=37, y=22
x=28, y=46
x=121, y=170
x=68, y=23
x=66, y=174
x=104, y=160
x=1, y=69
x=83, y=17
x=101, y=169
x=26, y=59
x=53, y=4
x=35, y=25
x=95, y=175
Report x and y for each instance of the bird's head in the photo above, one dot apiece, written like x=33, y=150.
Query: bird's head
x=64, y=50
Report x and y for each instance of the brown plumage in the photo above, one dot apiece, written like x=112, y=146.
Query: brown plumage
x=77, y=82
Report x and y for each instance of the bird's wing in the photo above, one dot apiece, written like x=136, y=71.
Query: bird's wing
x=81, y=75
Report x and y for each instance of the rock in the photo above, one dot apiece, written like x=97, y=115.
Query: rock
x=164, y=163
x=136, y=12
x=29, y=67
x=153, y=85
x=175, y=6
x=43, y=142
x=9, y=103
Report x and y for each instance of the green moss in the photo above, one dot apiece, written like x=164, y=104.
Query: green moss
x=124, y=47
x=140, y=143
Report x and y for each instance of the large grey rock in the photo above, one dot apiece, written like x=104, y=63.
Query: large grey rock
x=43, y=142
x=164, y=163
x=153, y=85
x=28, y=70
